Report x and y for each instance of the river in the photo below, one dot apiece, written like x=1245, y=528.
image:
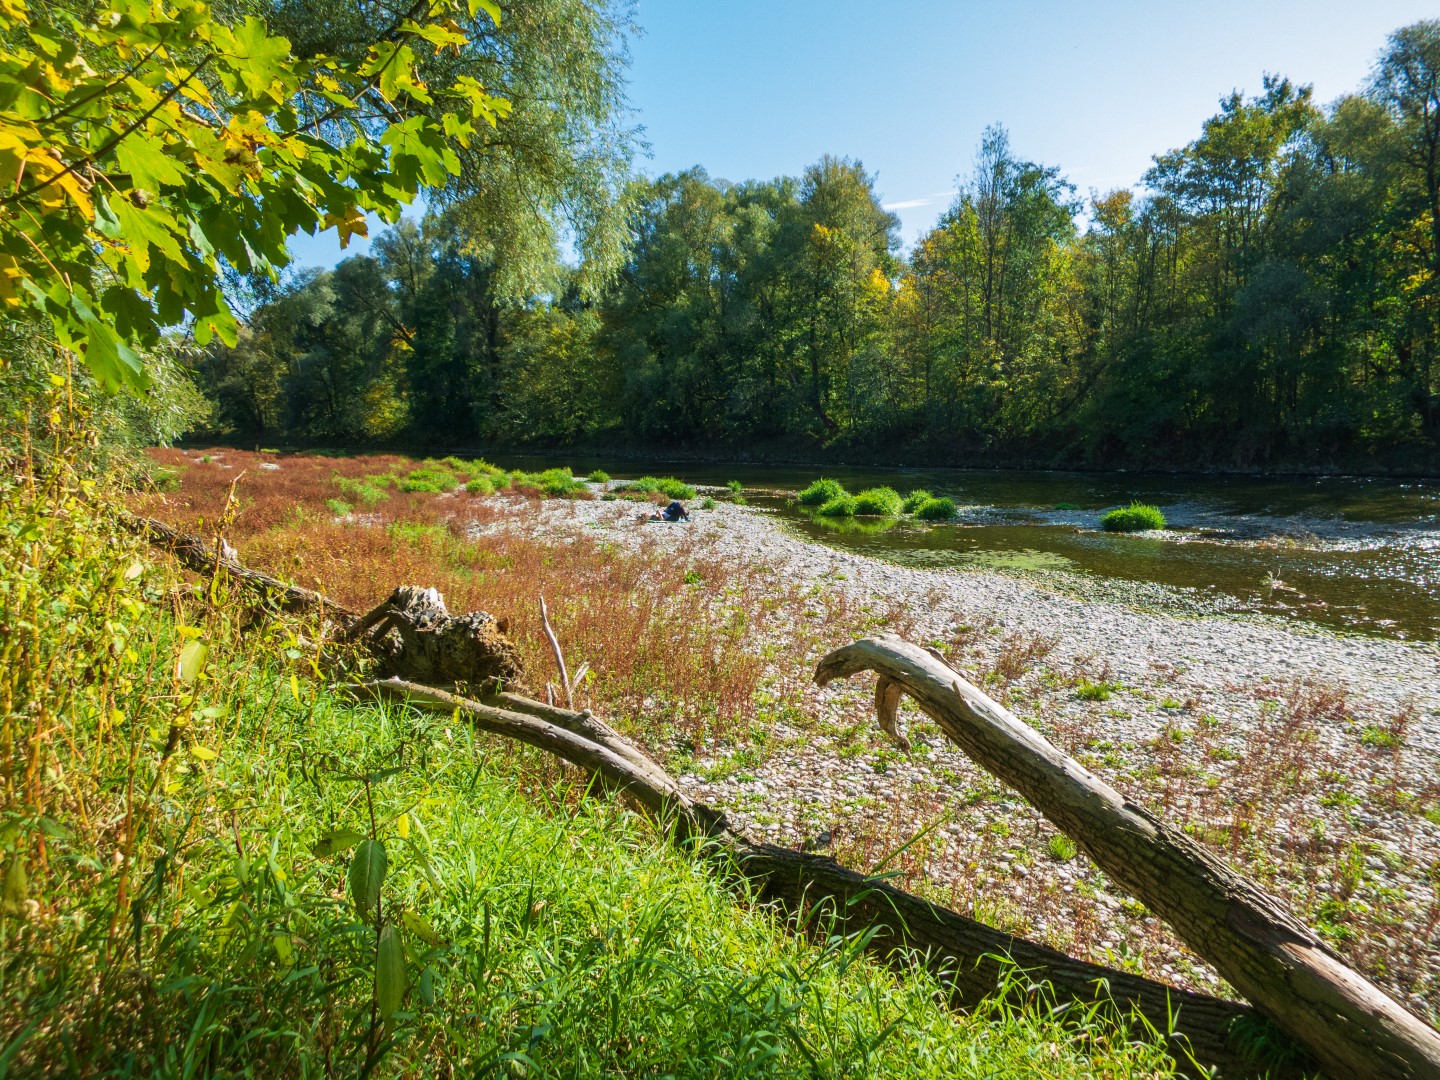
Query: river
x=1351, y=553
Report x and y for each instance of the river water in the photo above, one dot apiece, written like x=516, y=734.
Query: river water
x=1356, y=554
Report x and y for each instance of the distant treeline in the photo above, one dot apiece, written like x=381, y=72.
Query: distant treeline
x=1271, y=296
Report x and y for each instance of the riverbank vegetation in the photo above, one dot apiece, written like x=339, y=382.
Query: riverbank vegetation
x=184, y=802
x=1263, y=297
x=704, y=660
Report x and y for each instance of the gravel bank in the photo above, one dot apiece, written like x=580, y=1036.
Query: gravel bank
x=1309, y=757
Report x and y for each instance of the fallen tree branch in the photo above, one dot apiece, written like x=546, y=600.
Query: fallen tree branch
x=968, y=957
x=1350, y=1026
x=200, y=556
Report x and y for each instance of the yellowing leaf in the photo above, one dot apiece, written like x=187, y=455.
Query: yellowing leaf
x=402, y=826
x=351, y=223
x=191, y=661
x=204, y=753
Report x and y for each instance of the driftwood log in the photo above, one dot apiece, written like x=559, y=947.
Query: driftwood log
x=969, y=958
x=1350, y=1026
x=210, y=556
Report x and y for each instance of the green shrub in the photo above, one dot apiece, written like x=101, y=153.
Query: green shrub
x=841, y=505
x=916, y=499
x=1137, y=517
x=942, y=509
x=431, y=479
x=735, y=486
x=453, y=463
x=481, y=485
x=707, y=503
x=821, y=492
x=663, y=485
x=338, y=507
x=599, y=476
x=879, y=502
x=553, y=483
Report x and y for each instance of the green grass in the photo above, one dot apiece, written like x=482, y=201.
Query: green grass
x=556, y=483
x=663, y=485
x=735, y=486
x=1086, y=690
x=1137, y=517
x=707, y=503
x=368, y=490
x=879, y=502
x=840, y=506
x=480, y=485
x=432, y=479
x=942, y=509
x=916, y=499
x=821, y=492
x=1061, y=848
x=599, y=476
x=338, y=507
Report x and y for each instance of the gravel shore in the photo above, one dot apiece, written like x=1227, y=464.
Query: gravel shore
x=1308, y=757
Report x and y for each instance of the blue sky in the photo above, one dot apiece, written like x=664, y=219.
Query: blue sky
x=749, y=89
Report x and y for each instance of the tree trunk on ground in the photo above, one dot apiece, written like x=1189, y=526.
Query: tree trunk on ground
x=1352, y=1027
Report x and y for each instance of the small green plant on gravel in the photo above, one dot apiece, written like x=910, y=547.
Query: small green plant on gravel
x=707, y=503
x=1061, y=848
x=338, y=507
x=1137, y=517
x=598, y=476
x=942, y=509
x=735, y=486
x=878, y=502
x=916, y=499
x=1379, y=738
x=1086, y=690
x=822, y=491
x=480, y=485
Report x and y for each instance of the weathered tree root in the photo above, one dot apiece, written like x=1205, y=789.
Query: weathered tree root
x=968, y=957
x=1350, y=1026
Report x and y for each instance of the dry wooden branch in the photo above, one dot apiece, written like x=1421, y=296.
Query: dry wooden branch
x=559, y=655
x=1352, y=1027
x=200, y=556
x=970, y=958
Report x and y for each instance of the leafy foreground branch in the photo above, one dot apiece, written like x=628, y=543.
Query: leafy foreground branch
x=970, y=958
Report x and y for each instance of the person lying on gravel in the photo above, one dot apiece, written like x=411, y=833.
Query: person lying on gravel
x=674, y=512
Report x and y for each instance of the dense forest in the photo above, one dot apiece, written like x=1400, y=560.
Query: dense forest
x=1267, y=295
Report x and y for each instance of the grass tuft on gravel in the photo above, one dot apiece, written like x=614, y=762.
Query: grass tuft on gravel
x=1137, y=517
